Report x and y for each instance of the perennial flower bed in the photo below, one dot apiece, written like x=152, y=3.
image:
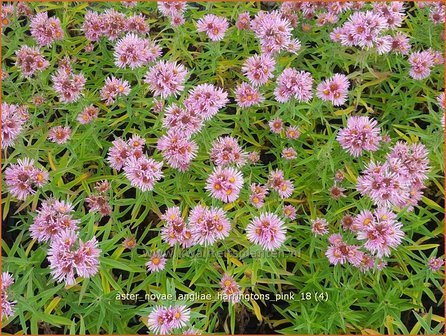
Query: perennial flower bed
x=222, y=167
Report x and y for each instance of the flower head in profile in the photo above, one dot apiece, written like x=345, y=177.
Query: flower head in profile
x=267, y=230
x=7, y=306
x=13, y=119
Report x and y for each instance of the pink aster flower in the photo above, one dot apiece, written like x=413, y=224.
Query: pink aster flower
x=214, y=26
x=339, y=252
x=421, y=63
x=174, y=10
x=7, y=306
x=319, y=226
x=224, y=184
x=166, y=78
x=206, y=100
x=157, y=262
x=243, y=21
x=46, y=30
x=435, y=264
x=289, y=153
x=66, y=261
x=137, y=24
x=246, y=95
x=88, y=114
x=114, y=23
x=334, y=89
x=348, y=223
x=13, y=119
x=175, y=229
x=382, y=234
x=436, y=13
x=114, y=88
x=267, y=230
x=162, y=320
x=292, y=132
x=226, y=150
x=94, y=26
x=69, y=86
x=230, y=289
x=400, y=43
x=336, y=192
x=182, y=120
x=53, y=217
x=253, y=157
x=273, y=31
x=99, y=203
x=22, y=178
x=276, y=125
x=257, y=195
x=294, y=84
x=289, y=211
x=30, y=60
x=177, y=149
x=259, y=68
x=129, y=243
x=143, y=172
x=59, y=134
x=208, y=225
x=284, y=189
x=360, y=134
x=134, y=52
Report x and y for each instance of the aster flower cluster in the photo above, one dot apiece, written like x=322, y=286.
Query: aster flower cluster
x=214, y=26
x=422, y=62
x=46, y=30
x=141, y=171
x=294, y=84
x=166, y=78
x=435, y=11
x=68, y=85
x=88, y=114
x=13, y=120
x=112, y=24
x=100, y=202
x=163, y=320
x=380, y=230
x=339, y=252
x=334, y=89
x=361, y=134
x=278, y=183
x=7, y=12
x=258, y=195
x=225, y=183
x=52, y=219
x=177, y=149
x=399, y=180
x=174, y=10
x=226, y=150
x=114, y=88
x=134, y=52
x=276, y=125
x=6, y=280
x=69, y=256
x=22, y=178
x=274, y=32
x=30, y=60
x=368, y=29
x=230, y=289
x=205, y=226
